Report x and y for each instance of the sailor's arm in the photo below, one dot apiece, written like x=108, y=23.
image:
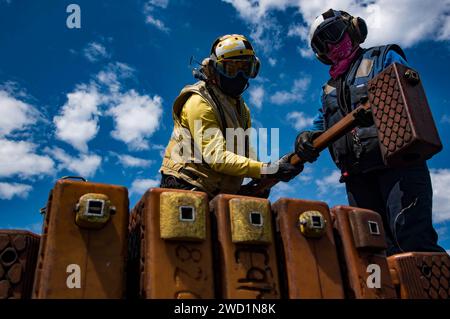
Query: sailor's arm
x=207, y=135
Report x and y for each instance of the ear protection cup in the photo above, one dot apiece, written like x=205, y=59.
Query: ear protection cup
x=212, y=60
x=360, y=27
x=207, y=68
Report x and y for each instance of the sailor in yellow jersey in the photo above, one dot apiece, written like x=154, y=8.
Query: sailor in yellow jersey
x=204, y=113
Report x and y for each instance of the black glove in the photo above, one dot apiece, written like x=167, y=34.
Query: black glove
x=282, y=169
x=304, y=148
x=364, y=118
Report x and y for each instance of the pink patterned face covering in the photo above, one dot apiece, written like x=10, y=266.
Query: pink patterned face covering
x=342, y=55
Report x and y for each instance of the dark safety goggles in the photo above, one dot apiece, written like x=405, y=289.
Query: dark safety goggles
x=330, y=33
x=232, y=67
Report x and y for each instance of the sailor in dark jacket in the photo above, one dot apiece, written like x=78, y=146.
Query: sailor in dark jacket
x=403, y=196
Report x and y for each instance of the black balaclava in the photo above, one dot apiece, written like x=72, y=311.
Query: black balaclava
x=233, y=86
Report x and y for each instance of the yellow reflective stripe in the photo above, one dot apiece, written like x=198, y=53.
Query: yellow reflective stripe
x=235, y=53
x=236, y=36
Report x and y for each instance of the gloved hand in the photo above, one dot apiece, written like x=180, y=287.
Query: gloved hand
x=364, y=118
x=282, y=169
x=304, y=148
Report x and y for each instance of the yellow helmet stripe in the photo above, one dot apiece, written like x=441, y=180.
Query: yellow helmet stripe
x=236, y=36
x=236, y=53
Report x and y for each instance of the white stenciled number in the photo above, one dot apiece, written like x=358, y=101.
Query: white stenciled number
x=74, y=277
x=374, y=279
x=74, y=19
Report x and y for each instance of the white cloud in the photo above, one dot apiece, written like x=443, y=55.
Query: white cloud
x=9, y=190
x=131, y=161
x=257, y=96
x=161, y=148
x=306, y=52
x=160, y=25
x=272, y=61
x=405, y=22
x=256, y=10
x=77, y=122
x=20, y=158
x=306, y=175
x=282, y=190
x=158, y=3
x=296, y=94
x=265, y=30
x=158, y=147
x=95, y=51
x=444, y=33
x=112, y=75
x=140, y=186
x=441, y=194
x=302, y=32
x=445, y=118
x=329, y=184
x=136, y=118
x=299, y=120
x=13, y=89
x=85, y=165
x=150, y=9
x=15, y=115
x=298, y=30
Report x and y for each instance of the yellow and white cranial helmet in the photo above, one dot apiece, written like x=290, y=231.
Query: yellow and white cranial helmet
x=232, y=45
x=226, y=52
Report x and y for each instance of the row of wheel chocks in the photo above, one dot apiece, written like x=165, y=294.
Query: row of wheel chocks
x=177, y=244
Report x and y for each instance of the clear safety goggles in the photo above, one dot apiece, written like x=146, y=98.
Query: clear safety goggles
x=230, y=68
x=331, y=33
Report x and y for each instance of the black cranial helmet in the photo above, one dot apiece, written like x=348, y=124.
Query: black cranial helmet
x=330, y=27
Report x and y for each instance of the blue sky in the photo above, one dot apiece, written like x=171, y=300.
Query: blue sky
x=96, y=101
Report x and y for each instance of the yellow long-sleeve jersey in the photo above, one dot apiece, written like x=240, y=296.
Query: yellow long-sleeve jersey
x=226, y=162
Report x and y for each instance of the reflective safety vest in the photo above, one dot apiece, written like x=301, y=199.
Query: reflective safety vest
x=229, y=115
x=358, y=151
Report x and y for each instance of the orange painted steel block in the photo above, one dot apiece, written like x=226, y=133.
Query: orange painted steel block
x=245, y=249
x=170, y=246
x=361, y=243
x=83, y=248
x=307, y=251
